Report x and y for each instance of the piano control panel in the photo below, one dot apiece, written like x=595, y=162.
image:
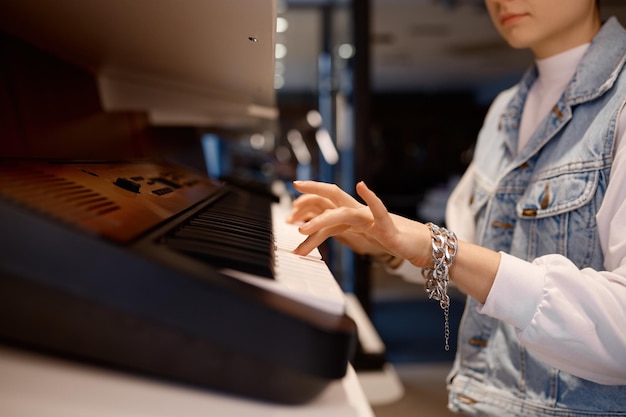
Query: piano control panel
x=118, y=201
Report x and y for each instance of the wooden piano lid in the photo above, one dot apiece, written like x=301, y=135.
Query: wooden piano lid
x=191, y=62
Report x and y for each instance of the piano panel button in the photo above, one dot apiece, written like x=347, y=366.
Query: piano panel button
x=128, y=185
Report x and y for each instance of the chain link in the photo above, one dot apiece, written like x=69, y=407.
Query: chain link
x=445, y=246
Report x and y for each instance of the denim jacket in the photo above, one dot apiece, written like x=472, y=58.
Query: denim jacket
x=540, y=201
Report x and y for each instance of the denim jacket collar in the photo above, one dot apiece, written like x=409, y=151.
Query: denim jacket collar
x=595, y=75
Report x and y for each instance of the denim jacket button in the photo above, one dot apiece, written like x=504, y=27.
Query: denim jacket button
x=465, y=399
x=502, y=225
x=474, y=341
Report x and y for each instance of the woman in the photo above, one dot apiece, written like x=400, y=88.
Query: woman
x=537, y=225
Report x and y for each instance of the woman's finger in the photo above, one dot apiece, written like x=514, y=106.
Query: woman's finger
x=355, y=218
x=308, y=206
x=377, y=207
x=311, y=199
x=329, y=191
x=315, y=239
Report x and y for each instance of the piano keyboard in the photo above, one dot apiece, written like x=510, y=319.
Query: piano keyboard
x=235, y=230
x=131, y=272
x=248, y=237
x=304, y=278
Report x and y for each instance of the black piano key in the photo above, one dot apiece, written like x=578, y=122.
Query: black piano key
x=251, y=244
x=233, y=232
x=226, y=256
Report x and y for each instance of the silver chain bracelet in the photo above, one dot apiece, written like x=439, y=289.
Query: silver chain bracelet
x=445, y=246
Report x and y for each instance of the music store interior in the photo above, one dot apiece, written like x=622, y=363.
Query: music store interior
x=147, y=155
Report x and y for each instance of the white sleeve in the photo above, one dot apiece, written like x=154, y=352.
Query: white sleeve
x=459, y=217
x=572, y=319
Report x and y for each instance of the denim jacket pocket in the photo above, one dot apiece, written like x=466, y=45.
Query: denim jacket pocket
x=552, y=195
x=557, y=215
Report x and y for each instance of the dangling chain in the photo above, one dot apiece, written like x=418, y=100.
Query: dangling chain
x=445, y=246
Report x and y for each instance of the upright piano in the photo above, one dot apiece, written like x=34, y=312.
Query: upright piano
x=112, y=253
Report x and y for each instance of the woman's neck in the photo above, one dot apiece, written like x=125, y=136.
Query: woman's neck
x=576, y=36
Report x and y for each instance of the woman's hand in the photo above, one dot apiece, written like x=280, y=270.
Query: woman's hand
x=309, y=206
x=328, y=211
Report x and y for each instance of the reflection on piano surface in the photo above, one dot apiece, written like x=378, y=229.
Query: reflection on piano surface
x=156, y=269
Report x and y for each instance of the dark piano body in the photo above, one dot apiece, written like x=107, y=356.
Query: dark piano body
x=92, y=264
